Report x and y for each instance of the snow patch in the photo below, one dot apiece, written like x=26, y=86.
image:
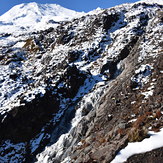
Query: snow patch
x=141, y=76
x=35, y=143
x=155, y=141
x=12, y=152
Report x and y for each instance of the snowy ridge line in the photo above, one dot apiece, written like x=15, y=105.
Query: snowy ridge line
x=43, y=16
x=160, y=2
x=30, y=17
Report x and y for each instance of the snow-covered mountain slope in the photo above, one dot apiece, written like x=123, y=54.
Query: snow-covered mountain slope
x=83, y=90
x=152, y=1
x=33, y=17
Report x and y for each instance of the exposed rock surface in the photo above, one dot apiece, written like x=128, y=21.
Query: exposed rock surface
x=155, y=156
x=81, y=91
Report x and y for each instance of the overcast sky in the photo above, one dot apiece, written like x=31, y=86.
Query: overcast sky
x=78, y=5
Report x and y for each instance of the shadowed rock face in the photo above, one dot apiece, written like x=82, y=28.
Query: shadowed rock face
x=109, y=20
x=99, y=71
x=24, y=122
x=33, y=115
x=73, y=79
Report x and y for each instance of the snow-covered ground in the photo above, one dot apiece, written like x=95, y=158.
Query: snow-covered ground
x=30, y=17
x=152, y=1
x=153, y=142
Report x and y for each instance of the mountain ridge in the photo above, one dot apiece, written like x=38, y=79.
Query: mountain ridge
x=33, y=16
x=84, y=90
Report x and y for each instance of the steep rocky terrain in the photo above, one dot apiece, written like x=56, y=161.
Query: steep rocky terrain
x=84, y=89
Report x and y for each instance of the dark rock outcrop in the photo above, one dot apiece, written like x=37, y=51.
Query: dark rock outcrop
x=154, y=156
x=24, y=122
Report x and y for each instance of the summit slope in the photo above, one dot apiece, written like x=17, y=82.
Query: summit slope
x=29, y=17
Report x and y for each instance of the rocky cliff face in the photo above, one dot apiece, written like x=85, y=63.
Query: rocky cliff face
x=80, y=92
